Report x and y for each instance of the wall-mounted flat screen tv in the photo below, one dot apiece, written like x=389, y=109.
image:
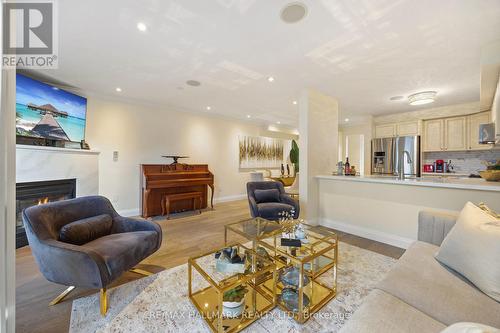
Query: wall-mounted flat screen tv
x=47, y=112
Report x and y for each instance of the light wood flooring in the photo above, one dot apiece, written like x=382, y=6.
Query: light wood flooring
x=184, y=235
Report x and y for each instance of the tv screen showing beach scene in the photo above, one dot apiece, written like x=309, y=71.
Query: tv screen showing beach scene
x=45, y=111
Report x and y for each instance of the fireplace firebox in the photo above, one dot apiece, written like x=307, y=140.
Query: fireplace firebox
x=36, y=193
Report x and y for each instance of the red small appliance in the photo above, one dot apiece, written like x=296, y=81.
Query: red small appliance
x=428, y=167
x=439, y=166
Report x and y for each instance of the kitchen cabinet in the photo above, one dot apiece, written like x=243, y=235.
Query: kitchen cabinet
x=408, y=128
x=474, y=121
x=385, y=131
x=397, y=129
x=433, y=135
x=455, y=134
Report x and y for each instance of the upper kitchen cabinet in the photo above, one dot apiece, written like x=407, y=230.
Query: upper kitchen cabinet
x=455, y=130
x=385, y=131
x=474, y=121
x=408, y=128
x=397, y=129
x=433, y=135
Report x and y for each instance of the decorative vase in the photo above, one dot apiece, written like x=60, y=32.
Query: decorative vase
x=233, y=309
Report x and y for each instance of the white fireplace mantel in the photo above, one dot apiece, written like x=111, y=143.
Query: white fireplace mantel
x=37, y=163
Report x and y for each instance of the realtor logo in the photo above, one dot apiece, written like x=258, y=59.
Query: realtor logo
x=29, y=34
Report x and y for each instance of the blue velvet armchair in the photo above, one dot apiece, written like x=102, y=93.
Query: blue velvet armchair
x=84, y=243
x=268, y=199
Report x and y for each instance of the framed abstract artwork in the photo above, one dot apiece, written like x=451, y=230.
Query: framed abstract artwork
x=260, y=152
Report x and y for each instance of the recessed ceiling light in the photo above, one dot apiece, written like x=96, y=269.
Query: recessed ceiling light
x=346, y=120
x=294, y=102
x=396, y=98
x=293, y=12
x=209, y=108
x=193, y=83
x=142, y=26
x=249, y=116
x=421, y=98
x=270, y=79
x=118, y=89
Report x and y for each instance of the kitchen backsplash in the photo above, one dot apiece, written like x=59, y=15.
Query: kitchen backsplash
x=464, y=161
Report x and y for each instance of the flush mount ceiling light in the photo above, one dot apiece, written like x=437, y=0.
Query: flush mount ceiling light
x=421, y=98
x=293, y=12
x=209, y=108
x=294, y=102
x=142, y=26
x=193, y=83
x=270, y=79
x=346, y=120
x=249, y=116
x=118, y=89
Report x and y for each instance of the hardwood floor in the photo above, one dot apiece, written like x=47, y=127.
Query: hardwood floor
x=184, y=235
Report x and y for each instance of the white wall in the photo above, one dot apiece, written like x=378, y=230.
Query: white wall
x=356, y=154
x=142, y=134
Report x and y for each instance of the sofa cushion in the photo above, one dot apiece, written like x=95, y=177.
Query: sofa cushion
x=470, y=328
x=270, y=195
x=271, y=210
x=121, y=252
x=382, y=312
x=86, y=230
x=472, y=248
x=419, y=280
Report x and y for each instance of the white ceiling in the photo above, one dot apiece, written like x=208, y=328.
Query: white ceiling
x=361, y=51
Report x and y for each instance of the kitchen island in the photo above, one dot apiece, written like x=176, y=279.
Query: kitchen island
x=386, y=208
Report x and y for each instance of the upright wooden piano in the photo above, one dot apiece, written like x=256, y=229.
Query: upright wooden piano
x=158, y=180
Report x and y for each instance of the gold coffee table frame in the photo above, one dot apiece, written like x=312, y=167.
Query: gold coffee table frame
x=258, y=300
x=321, y=253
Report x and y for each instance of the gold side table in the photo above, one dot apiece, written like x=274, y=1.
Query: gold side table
x=311, y=262
x=208, y=298
x=252, y=229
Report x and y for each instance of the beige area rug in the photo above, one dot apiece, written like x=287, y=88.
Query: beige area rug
x=159, y=303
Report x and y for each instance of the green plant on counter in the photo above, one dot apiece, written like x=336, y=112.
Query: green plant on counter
x=294, y=155
x=235, y=295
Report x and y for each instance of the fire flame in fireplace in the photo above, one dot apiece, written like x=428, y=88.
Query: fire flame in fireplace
x=43, y=201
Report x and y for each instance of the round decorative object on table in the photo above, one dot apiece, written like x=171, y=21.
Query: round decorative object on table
x=290, y=298
x=289, y=276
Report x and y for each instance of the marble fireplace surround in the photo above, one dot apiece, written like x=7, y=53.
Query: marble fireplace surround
x=36, y=163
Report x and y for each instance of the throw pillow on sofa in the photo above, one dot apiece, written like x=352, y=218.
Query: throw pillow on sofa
x=271, y=195
x=472, y=248
x=86, y=230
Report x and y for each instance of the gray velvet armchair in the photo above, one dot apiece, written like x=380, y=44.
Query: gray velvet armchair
x=84, y=243
x=268, y=199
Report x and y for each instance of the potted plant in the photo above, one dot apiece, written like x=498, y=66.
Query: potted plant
x=294, y=156
x=233, y=302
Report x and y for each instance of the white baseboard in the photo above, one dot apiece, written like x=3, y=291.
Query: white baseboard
x=230, y=198
x=372, y=234
x=137, y=212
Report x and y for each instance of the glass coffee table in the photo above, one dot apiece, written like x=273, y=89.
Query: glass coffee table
x=315, y=261
x=209, y=284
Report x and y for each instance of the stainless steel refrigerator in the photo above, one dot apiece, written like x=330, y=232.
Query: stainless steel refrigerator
x=387, y=153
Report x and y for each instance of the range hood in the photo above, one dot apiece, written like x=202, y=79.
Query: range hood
x=487, y=133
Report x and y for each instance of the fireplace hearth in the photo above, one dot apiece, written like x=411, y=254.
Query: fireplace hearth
x=36, y=193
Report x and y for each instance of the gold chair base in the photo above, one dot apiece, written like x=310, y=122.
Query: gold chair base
x=103, y=293
x=62, y=295
x=141, y=272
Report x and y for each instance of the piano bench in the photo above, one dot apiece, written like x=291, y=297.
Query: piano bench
x=169, y=198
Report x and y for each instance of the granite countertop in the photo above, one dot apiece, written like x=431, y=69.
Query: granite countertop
x=431, y=181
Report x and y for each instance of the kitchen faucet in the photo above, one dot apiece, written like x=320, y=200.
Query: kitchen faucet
x=401, y=166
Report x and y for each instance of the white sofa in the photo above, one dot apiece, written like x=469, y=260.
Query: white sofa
x=421, y=295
